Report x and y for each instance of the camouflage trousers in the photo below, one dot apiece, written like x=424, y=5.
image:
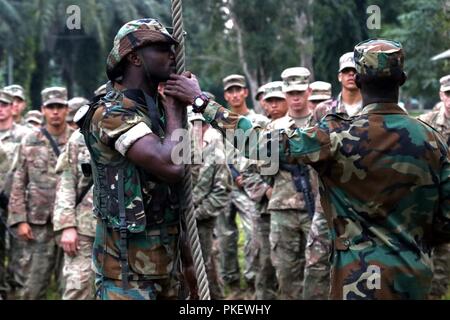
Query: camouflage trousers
x=158, y=289
x=317, y=254
x=205, y=233
x=228, y=236
x=38, y=261
x=441, y=271
x=288, y=235
x=3, y=234
x=78, y=274
x=266, y=280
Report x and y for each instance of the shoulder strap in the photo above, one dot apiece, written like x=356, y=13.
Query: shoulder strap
x=154, y=115
x=52, y=142
x=84, y=192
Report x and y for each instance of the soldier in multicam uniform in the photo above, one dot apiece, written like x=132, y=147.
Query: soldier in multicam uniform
x=10, y=136
x=19, y=102
x=259, y=189
x=320, y=92
x=318, y=248
x=385, y=182
x=440, y=120
x=33, y=119
x=211, y=181
x=74, y=220
x=290, y=219
x=33, y=193
x=75, y=104
x=235, y=93
x=138, y=245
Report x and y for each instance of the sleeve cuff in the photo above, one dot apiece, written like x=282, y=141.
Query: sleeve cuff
x=127, y=139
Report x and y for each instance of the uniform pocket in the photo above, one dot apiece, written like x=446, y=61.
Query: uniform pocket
x=149, y=256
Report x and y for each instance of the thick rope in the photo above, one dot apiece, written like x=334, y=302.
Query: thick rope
x=186, y=199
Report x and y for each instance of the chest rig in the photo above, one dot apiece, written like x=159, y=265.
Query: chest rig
x=126, y=197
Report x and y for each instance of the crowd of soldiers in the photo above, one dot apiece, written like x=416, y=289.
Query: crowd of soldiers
x=48, y=229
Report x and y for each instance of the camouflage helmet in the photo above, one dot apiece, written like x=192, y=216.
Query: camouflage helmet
x=75, y=104
x=379, y=57
x=132, y=35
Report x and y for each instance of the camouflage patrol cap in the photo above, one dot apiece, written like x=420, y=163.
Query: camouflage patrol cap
x=320, y=90
x=6, y=97
x=16, y=91
x=100, y=90
x=379, y=57
x=260, y=91
x=347, y=60
x=135, y=34
x=34, y=116
x=233, y=80
x=274, y=90
x=75, y=104
x=445, y=83
x=295, y=79
x=54, y=95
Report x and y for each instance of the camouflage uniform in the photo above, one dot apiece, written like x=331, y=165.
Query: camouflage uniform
x=290, y=224
x=10, y=140
x=240, y=204
x=441, y=254
x=4, y=167
x=77, y=273
x=211, y=185
x=136, y=246
x=255, y=186
x=318, y=247
x=32, y=199
x=386, y=198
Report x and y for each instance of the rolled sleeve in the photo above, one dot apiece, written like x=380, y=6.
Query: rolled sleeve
x=127, y=139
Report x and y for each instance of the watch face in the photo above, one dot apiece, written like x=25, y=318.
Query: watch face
x=198, y=102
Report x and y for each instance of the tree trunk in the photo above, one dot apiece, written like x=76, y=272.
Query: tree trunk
x=251, y=75
x=304, y=35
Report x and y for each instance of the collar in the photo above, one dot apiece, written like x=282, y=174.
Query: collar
x=382, y=108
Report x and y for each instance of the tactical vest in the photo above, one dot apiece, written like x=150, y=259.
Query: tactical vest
x=126, y=197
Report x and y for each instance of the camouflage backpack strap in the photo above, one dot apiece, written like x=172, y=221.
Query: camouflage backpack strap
x=123, y=256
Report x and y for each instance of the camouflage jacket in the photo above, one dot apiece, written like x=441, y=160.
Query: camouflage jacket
x=333, y=106
x=211, y=182
x=439, y=121
x=34, y=183
x=112, y=126
x=385, y=190
x=284, y=193
x=10, y=140
x=71, y=184
x=5, y=165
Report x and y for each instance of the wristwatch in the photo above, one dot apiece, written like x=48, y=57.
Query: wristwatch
x=200, y=103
